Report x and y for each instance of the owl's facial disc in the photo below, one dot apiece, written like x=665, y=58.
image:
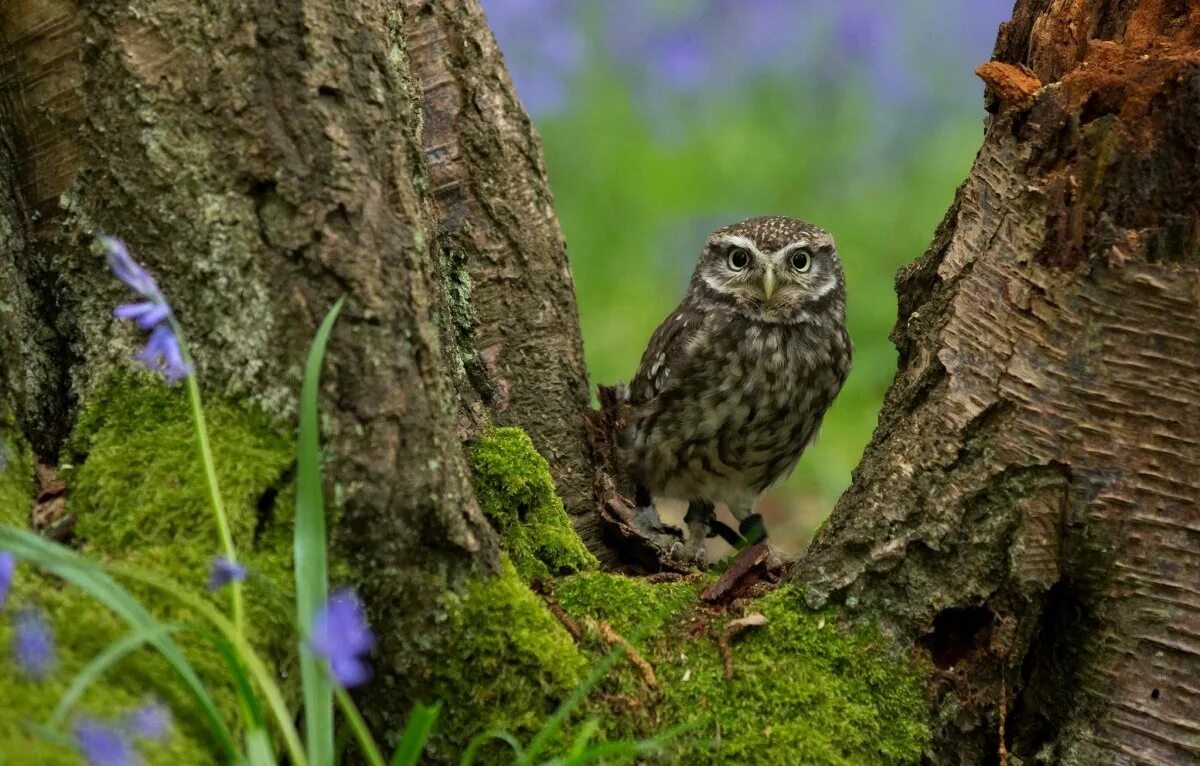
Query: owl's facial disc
x=734, y=266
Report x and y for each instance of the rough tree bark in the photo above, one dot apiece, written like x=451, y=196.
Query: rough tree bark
x=262, y=159
x=488, y=180
x=1028, y=509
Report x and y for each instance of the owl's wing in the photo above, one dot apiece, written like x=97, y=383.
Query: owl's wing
x=667, y=354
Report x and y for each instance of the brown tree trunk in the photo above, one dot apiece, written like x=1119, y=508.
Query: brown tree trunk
x=1029, y=507
x=488, y=182
x=263, y=159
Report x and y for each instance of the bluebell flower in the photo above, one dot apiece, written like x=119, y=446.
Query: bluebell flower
x=147, y=314
x=223, y=571
x=130, y=271
x=341, y=637
x=33, y=643
x=162, y=354
x=150, y=721
x=8, y=565
x=104, y=745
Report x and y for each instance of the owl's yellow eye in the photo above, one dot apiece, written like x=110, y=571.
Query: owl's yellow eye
x=738, y=259
x=801, y=260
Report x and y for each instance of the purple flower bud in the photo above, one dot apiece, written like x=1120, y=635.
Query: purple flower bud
x=33, y=643
x=147, y=314
x=223, y=571
x=130, y=271
x=340, y=635
x=151, y=721
x=8, y=565
x=104, y=745
x=164, y=355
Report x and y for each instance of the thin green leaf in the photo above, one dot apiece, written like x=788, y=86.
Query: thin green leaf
x=586, y=732
x=87, y=575
x=258, y=748
x=310, y=549
x=416, y=734
x=550, y=729
x=257, y=669
x=481, y=739
x=100, y=664
x=245, y=689
x=621, y=748
x=357, y=725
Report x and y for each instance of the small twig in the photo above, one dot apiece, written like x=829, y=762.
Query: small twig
x=661, y=577
x=612, y=638
x=539, y=586
x=725, y=640
x=622, y=699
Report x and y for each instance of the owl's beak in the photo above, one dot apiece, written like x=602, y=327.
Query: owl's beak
x=769, y=283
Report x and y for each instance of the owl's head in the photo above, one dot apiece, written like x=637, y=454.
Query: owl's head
x=773, y=269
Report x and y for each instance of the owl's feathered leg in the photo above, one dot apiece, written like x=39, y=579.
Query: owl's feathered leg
x=647, y=521
x=699, y=518
x=750, y=524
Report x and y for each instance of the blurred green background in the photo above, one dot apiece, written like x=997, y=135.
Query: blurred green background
x=662, y=119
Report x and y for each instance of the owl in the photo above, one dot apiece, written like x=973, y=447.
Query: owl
x=735, y=382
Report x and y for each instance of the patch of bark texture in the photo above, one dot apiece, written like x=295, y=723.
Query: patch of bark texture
x=1028, y=510
x=488, y=181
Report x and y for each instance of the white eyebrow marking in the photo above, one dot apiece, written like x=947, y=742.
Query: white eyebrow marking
x=802, y=242
x=738, y=241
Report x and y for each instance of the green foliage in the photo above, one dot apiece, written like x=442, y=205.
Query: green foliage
x=630, y=604
x=310, y=548
x=805, y=689
x=514, y=487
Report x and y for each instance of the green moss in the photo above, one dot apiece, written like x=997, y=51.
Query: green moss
x=138, y=492
x=16, y=475
x=140, y=481
x=513, y=485
x=507, y=663
x=804, y=691
x=82, y=629
x=631, y=605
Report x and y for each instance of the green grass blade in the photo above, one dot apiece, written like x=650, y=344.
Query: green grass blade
x=586, y=732
x=416, y=734
x=626, y=750
x=358, y=726
x=310, y=550
x=481, y=739
x=245, y=689
x=550, y=729
x=263, y=678
x=258, y=748
x=75, y=569
x=100, y=664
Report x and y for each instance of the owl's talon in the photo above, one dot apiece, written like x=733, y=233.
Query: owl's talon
x=677, y=551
